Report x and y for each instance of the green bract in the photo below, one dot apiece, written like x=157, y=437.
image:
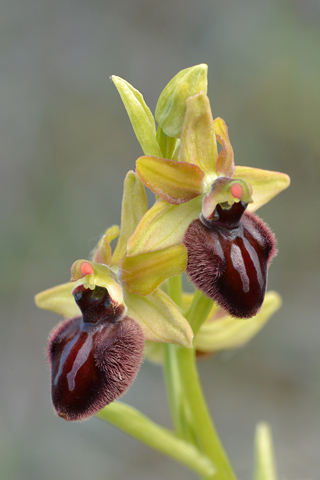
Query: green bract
x=171, y=106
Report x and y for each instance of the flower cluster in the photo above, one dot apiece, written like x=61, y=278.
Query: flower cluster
x=201, y=222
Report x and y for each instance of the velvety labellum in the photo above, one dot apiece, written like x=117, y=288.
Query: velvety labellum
x=228, y=258
x=94, y=358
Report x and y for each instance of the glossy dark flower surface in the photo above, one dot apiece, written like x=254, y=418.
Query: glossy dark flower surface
x=94, y=358
x=228, y=258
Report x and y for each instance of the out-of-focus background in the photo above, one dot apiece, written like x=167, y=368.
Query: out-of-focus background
x=65, y=146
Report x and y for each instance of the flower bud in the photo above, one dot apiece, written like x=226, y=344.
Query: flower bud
x=171, y=106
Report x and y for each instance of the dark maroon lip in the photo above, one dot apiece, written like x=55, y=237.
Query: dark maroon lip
x=228, y=258
x=94, y=357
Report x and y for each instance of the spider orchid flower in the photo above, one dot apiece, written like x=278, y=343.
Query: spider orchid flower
x=111, y=308
x=206, y=202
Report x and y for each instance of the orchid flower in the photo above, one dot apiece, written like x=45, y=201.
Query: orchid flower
x=113, y=321
x=206, y=202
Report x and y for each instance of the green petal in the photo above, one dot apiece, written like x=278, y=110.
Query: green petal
x=176, y=182
x=140, y=116
x=225, y=162
x=59, y=300
x=134, y=206
x=265, y=184
x=159, y=317
x=171, y=106
x=159, y=265
x=164, y=225
x=220, y=333
x=198, y=141
x=102, y=252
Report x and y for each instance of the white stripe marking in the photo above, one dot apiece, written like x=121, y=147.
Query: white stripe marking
x=239, y=265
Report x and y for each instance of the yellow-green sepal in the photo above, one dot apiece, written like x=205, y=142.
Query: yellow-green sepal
x=198, y=140
x=140, y=116
x=176, y=182
x=221, y=332
x=265, y=184
x=59, y=300
x=163, y=226
x=134, y=206
x=159, y=317
x=160, y=265
x=171, y=106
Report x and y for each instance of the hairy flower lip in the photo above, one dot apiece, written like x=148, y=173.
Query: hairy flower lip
x=92, y=363
x=230, y=265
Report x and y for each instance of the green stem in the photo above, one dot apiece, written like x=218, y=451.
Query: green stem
x=132, y=422
x=189, y=410
x=175, y=290
x=176, y=398
x=173, y=385
x=207, y=436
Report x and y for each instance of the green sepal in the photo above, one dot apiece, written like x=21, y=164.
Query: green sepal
x=171, y=106
x=59, y=299
x=163, y=226
x=198, y=140
x=140, y=116
x=134, y=206
x=160, y=265
x=159, y=317
x=221, y=332
x=176, y=182
x=265, y=184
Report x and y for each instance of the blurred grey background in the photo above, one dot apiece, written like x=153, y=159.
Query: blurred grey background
x=66, y=144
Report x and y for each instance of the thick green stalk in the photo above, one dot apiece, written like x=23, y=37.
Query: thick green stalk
x=188, y=406
x=132, y=422
x=207, y=436
x=176, y=397
x=173, y=385
x=208, y=439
